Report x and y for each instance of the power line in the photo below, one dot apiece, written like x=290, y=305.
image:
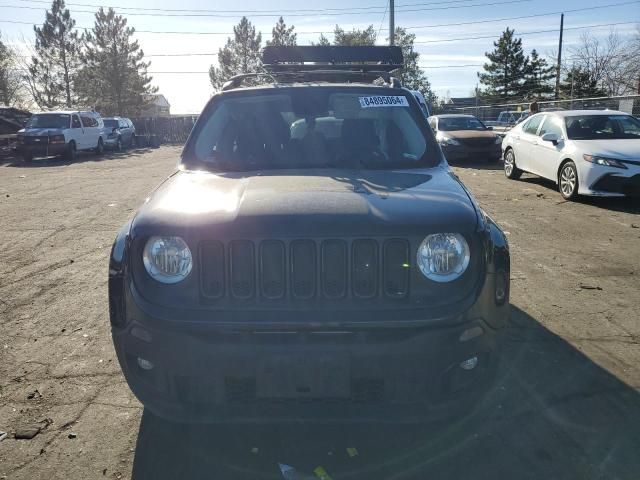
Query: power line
x=250, y=12
x=523, y=33
x=415, y=27
x=295, y=14
x=494, y=20
x=383, y=16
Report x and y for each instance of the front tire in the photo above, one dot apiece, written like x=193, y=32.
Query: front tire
x=27, y=158
x=568, y=181
x=119, y=145
x=511, y=171
x=71, y=152
x=100, y=147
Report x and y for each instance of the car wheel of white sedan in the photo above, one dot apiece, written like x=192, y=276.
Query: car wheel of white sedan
x=511, y=171
x=568, y=181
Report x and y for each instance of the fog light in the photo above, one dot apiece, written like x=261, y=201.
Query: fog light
x=468, y=364
x=146, y=364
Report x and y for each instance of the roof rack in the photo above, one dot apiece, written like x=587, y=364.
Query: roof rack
x=304, y=58
x=326, y=64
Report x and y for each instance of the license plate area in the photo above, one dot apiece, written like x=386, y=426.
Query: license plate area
x=304, y=376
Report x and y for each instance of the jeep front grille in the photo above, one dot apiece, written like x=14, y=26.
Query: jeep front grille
x=305, y=269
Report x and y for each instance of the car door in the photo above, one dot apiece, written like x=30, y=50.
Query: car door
x=90, y=137
x=545, y=155
x=77, y=132
x=524, y=141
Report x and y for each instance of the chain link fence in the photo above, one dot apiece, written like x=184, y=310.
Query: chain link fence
x=163, y=130
x=506, y=114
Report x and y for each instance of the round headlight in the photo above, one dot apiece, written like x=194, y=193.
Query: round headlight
x=167, y=259
x=443, y=257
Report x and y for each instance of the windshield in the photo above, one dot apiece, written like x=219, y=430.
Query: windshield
x=460, y=123
x=602, y=127
x=110, y=123
x=49, y=120
x=312, y=128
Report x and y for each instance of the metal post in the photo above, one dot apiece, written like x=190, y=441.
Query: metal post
x=559, y=57
x=392, y=25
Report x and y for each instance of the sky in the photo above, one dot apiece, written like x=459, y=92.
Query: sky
x=452, y=36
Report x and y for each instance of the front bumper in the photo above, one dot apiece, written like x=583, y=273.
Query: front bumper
x=403, y=373
x=111, y=142
x=461, y=152
x=46, y=150
x=611, y=183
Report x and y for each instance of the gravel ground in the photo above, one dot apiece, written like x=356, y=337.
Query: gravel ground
x=566, y=405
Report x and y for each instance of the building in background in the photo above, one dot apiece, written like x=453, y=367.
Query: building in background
x=158, y=106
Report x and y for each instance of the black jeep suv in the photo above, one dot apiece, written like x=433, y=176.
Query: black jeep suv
x=312, y=258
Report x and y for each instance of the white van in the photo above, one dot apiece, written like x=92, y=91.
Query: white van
x=61, y=133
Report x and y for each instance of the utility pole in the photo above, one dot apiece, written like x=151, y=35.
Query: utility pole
x=392, y=22
x=559, y=57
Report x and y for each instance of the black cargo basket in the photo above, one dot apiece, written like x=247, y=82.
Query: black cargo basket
x=301, y=58
x=325, y=64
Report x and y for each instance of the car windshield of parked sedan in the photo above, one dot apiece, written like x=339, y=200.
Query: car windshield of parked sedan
x=110, y=123
x=312, y=128
x=49, y=120
x=460, y=123
x=602, y=127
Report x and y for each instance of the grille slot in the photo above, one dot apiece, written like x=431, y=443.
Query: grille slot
x=396, y=268
x=213, y=270
x=272, y=269
x=242, y=267
x=303, y=269
x=364, y=268
x=334, y=268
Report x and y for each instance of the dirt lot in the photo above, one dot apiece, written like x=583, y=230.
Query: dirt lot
x=566, y=405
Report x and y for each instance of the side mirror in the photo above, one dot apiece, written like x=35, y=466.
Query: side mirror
x=489, y=128
x=551, y=137
x=114, y=129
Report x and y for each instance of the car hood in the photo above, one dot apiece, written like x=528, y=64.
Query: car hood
x=626, y=149
x=310, y=203
x=42, y=132
x=469, y=133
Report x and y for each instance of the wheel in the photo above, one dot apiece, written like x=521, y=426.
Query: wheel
x=510, y=170
x=568, y=181
x=27, y=158
x=119, y=145
x=71, y=151
x=100, y=147
x=132, y=144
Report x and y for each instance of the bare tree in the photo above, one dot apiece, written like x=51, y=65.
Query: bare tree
x=11, y=91
x=605, y=61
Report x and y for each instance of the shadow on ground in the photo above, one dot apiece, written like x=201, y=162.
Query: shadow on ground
x=82, y=157
x=618, y=204
x=553, y=413
x=477, y=164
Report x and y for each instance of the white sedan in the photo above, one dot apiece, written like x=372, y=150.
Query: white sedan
x=586, y=152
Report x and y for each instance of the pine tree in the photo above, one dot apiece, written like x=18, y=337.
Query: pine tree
x=282, y=36
x=580, y=83
x=412, y=76
x=322, y=41
x=52, y=73
x=505, y=74
x=114, y=78
x=538, y=76
x=355, y=37
x=240, y=54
